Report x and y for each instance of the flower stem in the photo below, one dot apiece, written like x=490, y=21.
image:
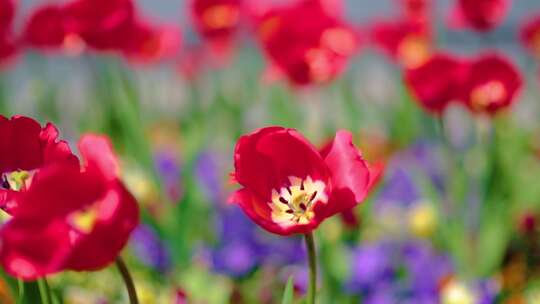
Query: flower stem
x=128, y=280
x=44, y=291
x=312, y=255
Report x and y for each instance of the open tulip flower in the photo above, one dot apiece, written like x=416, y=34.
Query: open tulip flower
x=480, y=15
x=69, y=216
x=492, y=84
x=25, y=148
x=311, y=50
x=289, y=186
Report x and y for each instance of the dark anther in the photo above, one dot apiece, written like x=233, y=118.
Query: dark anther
x=312, y=196
x=5, y=183
x=284, y=201
x=302, y=186
x=289, y=211
x=303, y=206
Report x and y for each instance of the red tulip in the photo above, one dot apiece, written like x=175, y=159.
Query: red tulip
x=85, y=223
x=480, y=15
x=436, y=82
x=25, y=148
x=406, y=41
x=530, y=35
x=146, y=43
x=492, y=84
x=102, y=24
x=291, y=187
x=46, y=27
x=311, y=49
x=216, y=19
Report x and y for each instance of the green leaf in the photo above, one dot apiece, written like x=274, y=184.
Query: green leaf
x=289, y=292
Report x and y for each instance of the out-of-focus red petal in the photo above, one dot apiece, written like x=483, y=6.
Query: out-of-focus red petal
x=117, y=216
x=57, y=190
x=350, y=175
x=436, y=83
x=493, y=83
x=32, y=248
x=45, y=28
x=97, y=153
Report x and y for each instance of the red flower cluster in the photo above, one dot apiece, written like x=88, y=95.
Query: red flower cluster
x=480, y=15
x=486, y=84
x=291, y=187
x=530, y=35
x=102, y=25
x=311, y=49
x=7, y=43
x=65, y=215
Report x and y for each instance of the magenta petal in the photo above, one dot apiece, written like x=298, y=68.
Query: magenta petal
x=350, y=175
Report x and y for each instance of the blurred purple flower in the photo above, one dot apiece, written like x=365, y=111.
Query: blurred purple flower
x=149, y=249
x=397, y=272
x=169, y=170
x=207, y=172
x=242, y=246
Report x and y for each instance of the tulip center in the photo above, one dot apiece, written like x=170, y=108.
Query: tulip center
x=220, y=16
x=85, y=220
x=294, y=204
x=492, y=92
x=16, y=180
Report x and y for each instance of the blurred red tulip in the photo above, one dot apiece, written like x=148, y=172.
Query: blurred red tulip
x=146, y=43
x=530, y=35
x=46, y=27
x=216, y=20
x=406, y=41
x=86, y=221
x=491, y=85
x=102, y=24
x=313, y=49
x=25, y=148
x=289, y=186
x=480, y=15
x=436, y=82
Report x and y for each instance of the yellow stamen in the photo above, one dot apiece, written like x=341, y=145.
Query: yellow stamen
x=294, y=204
x=84, y=221
x=19, y=180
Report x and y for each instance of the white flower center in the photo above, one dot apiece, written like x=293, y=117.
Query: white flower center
x=294, y=204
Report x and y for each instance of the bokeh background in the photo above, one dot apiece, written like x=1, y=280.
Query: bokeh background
x=453, y=220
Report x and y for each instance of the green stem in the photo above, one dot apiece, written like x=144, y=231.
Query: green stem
x=44, y=291
x=128, y=280
x=312, y=255
x=20, y=289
